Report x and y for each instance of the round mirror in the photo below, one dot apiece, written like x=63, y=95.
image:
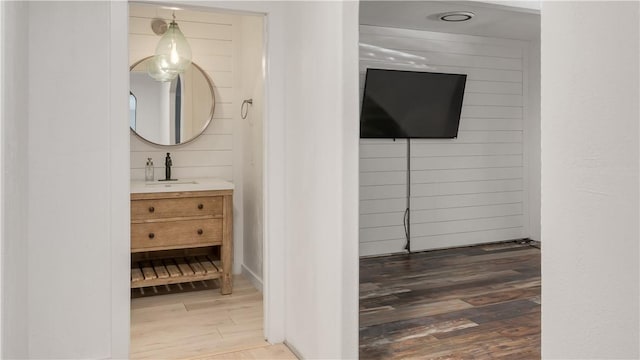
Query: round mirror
x=172, y=112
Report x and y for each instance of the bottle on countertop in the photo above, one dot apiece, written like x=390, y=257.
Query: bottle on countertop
x=148, y=171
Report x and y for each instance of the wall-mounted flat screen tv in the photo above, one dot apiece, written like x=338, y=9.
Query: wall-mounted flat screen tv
x=411, y=104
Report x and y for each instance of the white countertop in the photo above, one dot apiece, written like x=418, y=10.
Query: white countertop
x=180, y=185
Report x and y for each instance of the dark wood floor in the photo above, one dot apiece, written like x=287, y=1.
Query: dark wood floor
x=479, y=302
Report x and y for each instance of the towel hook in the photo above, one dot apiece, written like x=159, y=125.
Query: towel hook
x=244, y=111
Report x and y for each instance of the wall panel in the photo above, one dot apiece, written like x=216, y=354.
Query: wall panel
x=465, y=190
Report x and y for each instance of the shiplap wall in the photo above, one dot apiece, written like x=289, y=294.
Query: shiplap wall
x=464, y=191
x=211, y=38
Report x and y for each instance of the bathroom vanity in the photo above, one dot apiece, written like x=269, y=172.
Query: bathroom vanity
x=181, y=232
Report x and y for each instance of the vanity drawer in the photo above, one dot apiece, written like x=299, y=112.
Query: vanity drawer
x=170, y=208
x=175, y=234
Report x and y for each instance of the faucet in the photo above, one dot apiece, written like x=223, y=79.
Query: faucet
x=167, y=168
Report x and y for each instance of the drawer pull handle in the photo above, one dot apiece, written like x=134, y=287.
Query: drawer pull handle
x=152, y=235
x=200, y=206
x=151, y=209
x=200, y=231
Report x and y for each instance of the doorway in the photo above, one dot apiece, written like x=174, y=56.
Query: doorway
x=427, y=200
x=229, y=49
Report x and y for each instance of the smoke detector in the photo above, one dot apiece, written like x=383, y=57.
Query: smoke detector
x=457, y=16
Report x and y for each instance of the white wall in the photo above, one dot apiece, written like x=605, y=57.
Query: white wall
x=251, y=80
x=590, y=177
x=463, y=191
x=321, y=141
x=350, y=291
x=77, y=181
x=63, y=201
x=15, y=78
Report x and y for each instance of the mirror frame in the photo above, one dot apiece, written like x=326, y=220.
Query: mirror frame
x=213, y=104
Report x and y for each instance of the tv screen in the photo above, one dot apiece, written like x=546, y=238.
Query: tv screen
x=411, y=104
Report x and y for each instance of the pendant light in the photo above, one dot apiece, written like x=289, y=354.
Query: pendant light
x=173, y=54
x=154, y=70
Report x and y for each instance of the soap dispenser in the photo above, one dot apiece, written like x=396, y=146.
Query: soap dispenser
x=148, y=171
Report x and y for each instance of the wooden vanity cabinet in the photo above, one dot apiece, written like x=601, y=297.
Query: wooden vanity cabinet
x=179, y=237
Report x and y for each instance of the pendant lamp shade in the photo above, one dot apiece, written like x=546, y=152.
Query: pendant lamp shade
x=154, y=70
x=173, y=54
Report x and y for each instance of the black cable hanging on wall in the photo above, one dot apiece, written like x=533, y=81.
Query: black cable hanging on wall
x=407, y=212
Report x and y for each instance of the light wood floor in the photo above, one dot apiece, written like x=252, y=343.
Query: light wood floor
x=202, y=325
x=479, y=302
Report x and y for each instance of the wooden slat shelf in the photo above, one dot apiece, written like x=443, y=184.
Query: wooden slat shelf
x=174, y=271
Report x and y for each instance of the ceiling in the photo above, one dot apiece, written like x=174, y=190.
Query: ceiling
x=491, y=19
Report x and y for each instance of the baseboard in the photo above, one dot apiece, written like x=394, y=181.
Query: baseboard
x=251, y=276
x=293, y=350
x=520, y=240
